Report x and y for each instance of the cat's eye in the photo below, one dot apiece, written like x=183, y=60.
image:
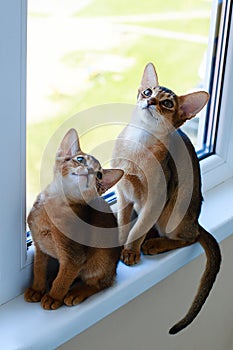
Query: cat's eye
x=81, y=160
x=147, y=92
x=99, y=175
x=167, y=103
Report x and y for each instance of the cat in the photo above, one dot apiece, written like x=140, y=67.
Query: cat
x=70, y=222
x=162, y=182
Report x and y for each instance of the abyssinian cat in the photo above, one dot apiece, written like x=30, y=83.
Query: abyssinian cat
x=69, y=221
x=162, y=182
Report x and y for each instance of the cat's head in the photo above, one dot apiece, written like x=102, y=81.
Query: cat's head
x=81, y=175
x=162, y=106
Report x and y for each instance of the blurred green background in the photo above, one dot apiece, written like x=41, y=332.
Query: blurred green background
x=87, y=53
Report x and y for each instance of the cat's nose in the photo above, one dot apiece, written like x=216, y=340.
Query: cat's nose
x=151, y=102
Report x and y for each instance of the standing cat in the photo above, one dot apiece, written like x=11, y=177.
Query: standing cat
x=162, y=182
x=83, y=237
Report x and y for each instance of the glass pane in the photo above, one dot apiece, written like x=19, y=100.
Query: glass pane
x=93, y=52
x=220, y=29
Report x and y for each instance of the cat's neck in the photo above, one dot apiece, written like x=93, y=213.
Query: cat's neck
x=142, y=131
x=144, y=127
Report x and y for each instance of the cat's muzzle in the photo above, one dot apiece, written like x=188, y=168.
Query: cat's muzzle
x=144, y=104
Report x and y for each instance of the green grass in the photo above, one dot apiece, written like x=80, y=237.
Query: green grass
x=195, y=26
x=132, y=7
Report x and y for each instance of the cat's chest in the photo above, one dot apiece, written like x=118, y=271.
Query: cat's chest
x=139, y=143
x=137, y=152
x=138, y=136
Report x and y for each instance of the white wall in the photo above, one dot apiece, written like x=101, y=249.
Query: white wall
x=145, y=321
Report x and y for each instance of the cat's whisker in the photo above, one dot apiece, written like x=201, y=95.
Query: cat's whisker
x=150, y=110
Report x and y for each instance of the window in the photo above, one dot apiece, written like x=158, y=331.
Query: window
x=14, y=270
x=218, y=167
x=79, y=58
x=219, y=40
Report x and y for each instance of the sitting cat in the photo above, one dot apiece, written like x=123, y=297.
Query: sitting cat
x=69, y=221
x=162, y=182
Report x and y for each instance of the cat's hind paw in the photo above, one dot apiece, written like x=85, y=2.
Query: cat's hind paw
x=130, y=257
x=150, y=247
x=49, y=303
x=79, y=293
x=72, y=299
x=33, y=296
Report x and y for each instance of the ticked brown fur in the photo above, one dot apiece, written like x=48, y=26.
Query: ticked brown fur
x=66, y=223
x=162, y=182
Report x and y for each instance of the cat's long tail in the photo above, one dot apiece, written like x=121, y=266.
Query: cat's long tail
x=213, y=263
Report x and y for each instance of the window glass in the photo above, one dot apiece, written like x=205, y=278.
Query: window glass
x=92, y=52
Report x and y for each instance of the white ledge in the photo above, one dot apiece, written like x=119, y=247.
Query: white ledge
x=27, y=326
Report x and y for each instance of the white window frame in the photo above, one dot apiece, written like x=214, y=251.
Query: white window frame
x=15, y=271
x=218, y=167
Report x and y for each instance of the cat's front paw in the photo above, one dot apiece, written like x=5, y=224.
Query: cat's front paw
x=49, y=303
x=130, y=257
x=33, y=296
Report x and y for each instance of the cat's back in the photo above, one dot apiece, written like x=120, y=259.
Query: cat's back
x=194, y=161
x=184, y=168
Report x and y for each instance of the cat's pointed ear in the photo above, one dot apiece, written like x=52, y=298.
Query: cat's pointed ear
x=69, y=146
x=111, y=177
x=149, y=78
x=191, y=104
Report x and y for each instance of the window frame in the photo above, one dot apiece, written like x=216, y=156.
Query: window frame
x=15, y=268
x=14, y=271
x=214, y=76
x=218, y=167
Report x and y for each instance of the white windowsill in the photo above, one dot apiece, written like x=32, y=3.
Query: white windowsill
x=27, y=326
